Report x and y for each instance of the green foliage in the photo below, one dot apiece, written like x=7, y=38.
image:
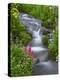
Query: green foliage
x=25, y=38
x=48, y=14
x=19, y=34
x=53, y=46
x=21, y=63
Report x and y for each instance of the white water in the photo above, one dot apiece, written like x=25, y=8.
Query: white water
x=36, y=49
x=34, y=26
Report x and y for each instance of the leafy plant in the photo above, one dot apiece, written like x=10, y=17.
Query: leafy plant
x=21, y=63
x=53, y=46
x=18, y=31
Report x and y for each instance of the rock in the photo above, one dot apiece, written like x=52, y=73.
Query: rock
x=45, y=68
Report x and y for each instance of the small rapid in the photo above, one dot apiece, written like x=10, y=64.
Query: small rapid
x=43, y=65
x=34, y=27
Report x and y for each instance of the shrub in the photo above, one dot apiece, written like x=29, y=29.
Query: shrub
x=18, y=31
x=53, y=46
x=21, y=63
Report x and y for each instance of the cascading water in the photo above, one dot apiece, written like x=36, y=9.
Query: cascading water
x=34, y=27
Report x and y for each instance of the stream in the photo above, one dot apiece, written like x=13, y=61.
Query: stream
x=42, y=65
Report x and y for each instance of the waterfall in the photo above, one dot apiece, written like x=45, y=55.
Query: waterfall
x=37, y=37
x=34, y=27
x=36, y=46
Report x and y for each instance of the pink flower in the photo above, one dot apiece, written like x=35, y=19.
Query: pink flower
x=30, y=52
